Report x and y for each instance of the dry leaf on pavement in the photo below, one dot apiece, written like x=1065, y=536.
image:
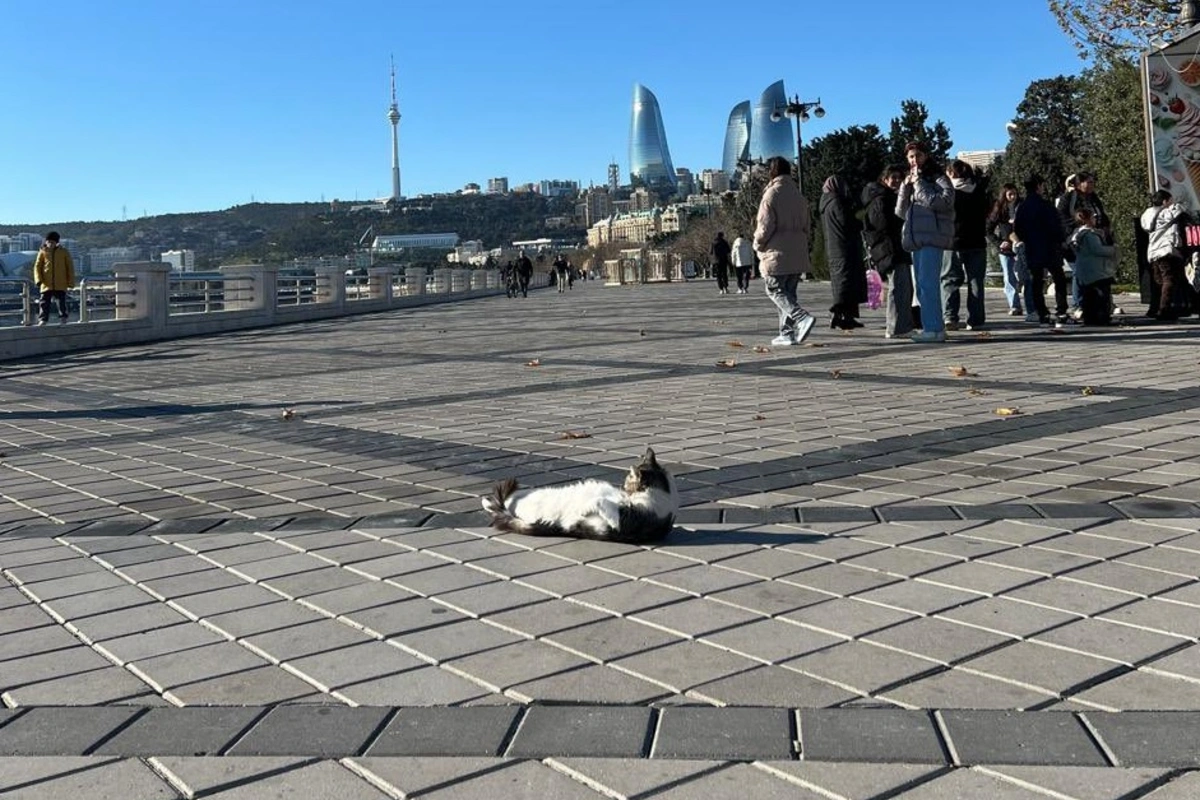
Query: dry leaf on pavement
x=814, y=344
x=288, y=414
x=976, y=392
x=758, y=417
x=835, y=373
x=727, y=363
x=735, y=343
x=961, y=372
x=758, y=348
x=574, y=435
x=1087, y=391
x=537, y=362
x=1007, y=412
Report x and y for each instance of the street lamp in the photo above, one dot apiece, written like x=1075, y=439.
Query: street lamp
x=798, y=109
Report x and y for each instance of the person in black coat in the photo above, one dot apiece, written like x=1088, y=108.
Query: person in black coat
x=843, y=253
x=720, y=258
x=1038, y=227
x=882, y=235
x=966, y=260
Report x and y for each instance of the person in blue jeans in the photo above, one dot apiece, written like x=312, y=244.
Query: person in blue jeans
x=999, y=233
x=966, y=260
x=926, y=204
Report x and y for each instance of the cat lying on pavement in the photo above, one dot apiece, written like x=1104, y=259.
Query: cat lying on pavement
x=643, y=510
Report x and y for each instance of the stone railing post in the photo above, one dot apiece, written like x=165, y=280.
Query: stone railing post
x=479, y=279
x=379, y=283
x=441, y=280
x=460, y=280
x=143, y=292
x=252, y=287
x=331, y=287
x=414, y=281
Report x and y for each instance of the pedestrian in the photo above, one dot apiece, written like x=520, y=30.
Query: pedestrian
x=54, y=273
x=743, y=261
x=524, y=273
x=1095, y=268
x=1162, y=220
x=926, y=205
x=843, y=253
x=966, y=260
x=781, y=241
x=999, y=233
x=720, y=252
x=1080, y=194
x=882, y=231
x=1039, y=229
x=560, y=273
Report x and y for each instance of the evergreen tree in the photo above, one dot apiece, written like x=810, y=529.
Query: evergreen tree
x=1048, y=137
x=912, y=126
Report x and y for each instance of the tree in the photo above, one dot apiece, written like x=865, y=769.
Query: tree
x=1048, y=137
x=1115, y=27
x=1110, y=102
x=912, y=126
x=858, y=153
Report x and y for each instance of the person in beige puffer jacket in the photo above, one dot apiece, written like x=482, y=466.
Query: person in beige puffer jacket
x=781, y=241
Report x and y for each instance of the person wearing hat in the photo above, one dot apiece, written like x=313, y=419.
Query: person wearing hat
x=54, y=273
x=926, y=204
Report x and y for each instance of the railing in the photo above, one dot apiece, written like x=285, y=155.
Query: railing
x=296, y=289
x=16, y=301
x=98, y=299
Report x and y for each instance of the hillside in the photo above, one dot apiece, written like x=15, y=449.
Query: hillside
x=277, y=232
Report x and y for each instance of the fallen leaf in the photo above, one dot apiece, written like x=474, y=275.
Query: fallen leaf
x=735, y=343
x=758, y=348
x=835, y=373
x=574, y=435
x=758, y=417
x=537, y=362
x=976, y=392
x=1007, y=412
x=727, y=363
x=814, y=344
x=961, y=372
x=720, y=322
x=288, y=414
x=1087, y=391
x=983, y=335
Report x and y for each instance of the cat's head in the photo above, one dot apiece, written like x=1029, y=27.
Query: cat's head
x=647, y=474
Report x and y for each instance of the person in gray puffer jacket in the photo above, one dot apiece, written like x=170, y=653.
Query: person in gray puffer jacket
x=1165, y=249
x=926, y=204
x=1095, y=269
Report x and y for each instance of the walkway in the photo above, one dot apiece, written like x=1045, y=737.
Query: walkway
x=255, y=563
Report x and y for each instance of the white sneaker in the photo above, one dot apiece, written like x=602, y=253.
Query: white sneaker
x=783, y=340
x=803, y=326
x=1014, y=312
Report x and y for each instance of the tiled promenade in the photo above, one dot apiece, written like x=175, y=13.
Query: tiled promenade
x=252, y=565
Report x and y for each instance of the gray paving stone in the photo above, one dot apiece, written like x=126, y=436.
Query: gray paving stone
x=998, y=511
x=259, y=686
x=772, y=686
x=1141, y=508
x=95, y=778
x=479, y=731
x=424, y=686
x=737, y=734
x=628, y=777
x=602, y=731
x=190, y=731
x=252, y=778
x=1150, y=738
x=62, y=731
x=1008, y=737
x=312, y=730
x=836, y=514
x=1093, y=783
x=856, y=781
x=590, y=684
x=877, y=735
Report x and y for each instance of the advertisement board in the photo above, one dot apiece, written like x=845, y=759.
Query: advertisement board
x=1171, y=89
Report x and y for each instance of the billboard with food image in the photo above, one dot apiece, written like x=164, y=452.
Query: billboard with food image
x=1171, y=86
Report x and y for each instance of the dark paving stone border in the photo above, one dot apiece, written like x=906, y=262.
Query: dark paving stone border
x=698, y=516
x=961, y=737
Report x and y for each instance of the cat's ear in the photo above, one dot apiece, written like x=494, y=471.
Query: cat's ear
x=649, y=458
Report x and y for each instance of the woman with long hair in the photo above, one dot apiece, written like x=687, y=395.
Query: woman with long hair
x=926, y=204
x=781, y=241
x=999, y=233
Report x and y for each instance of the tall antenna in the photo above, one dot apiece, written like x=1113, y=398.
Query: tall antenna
x=393, y=116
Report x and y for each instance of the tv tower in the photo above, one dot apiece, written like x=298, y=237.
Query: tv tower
x=393, y=116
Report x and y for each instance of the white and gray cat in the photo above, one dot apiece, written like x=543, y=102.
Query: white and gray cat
x=643, y=510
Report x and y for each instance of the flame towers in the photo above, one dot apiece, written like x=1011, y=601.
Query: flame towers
x=737, y=138
x=769, y=138
x=649, y=157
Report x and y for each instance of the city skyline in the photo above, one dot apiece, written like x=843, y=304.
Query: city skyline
x=287, y=108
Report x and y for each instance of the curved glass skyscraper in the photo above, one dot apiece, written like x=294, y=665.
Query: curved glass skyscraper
x=767, y=137
x=737, y=138
x=649, y=158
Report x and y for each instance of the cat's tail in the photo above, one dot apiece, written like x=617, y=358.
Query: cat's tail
x=496, y=505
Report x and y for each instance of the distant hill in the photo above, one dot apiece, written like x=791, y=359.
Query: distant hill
x=277, y=232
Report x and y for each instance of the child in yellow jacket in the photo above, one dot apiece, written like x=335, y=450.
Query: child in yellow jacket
x=54, y=273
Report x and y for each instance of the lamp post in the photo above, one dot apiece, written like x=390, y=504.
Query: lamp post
x=800, y=110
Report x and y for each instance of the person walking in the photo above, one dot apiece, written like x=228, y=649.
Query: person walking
x=966, y=260
x=925, y=203
x=881, y=232
x=54, y=273
x=1164, y=251
x=743, y=262
x=720, y=252
x=1038, y=228
x=560, y=273
x=843, y=253
x=999, y=233
x=781, y=241
x=524, y=273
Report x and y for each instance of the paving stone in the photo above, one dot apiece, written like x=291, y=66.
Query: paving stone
x=62, y=731
x=737, y=781
x=101, y=686
x=855, y=781
x=602, y=731
x=1050, y=669
x=251, y=778
x=612, y=638
x=772, y=686
x=998, y=511
x=864, y=667
x=413, y=776
x=963, y=783
x=809, y=514
x=33, y=778
x=1093, y=783
x=311, y=730
x=424, y=686
x=739, y=734
x=627, y=777
x=1010, y=737
x=451, y=731
x=1182, y=787
x=1141, y=508
x=190, y=731
x=589, y=684
x=260, y=686
x=512, y=779
x=517, y=663
x=955, y=688
x=876, y=735
x=685, y=664
x=1150, y=738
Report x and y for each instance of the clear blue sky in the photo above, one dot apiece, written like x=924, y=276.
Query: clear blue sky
x=134, y=107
